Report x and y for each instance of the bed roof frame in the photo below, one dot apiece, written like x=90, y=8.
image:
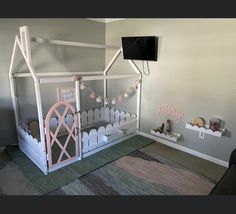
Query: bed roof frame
x=22, y=42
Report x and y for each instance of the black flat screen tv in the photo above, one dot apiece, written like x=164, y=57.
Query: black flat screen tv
x=140, y=48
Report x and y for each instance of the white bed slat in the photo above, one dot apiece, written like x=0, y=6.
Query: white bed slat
x=117, y=115
x=107, y=114
x=112, y=115
x=127, y=114
x=96, y=115
x=93, y=139
x=128, y=117
x=84, y=118
x=115, y=127
x=122, y=115
x=102, y=114
x=109, y=128
x=85, y=141
x=90, y=117
x=101, y=132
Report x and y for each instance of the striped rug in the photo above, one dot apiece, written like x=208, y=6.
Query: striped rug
x=139, y=174
x=54, y=180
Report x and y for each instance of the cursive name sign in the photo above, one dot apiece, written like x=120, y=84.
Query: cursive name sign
x=170, y=111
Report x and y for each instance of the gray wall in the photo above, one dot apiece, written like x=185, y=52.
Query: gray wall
x=195, y=73
x=46, y=58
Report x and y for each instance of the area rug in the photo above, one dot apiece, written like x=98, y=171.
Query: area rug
x=139, y=174
x=46, y=184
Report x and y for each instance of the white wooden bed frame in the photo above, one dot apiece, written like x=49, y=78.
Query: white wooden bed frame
x=121, y=125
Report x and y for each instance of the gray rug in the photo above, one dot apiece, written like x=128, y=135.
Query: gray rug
x=45, y=184
x=139, y=174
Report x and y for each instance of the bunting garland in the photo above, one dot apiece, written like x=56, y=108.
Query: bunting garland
x=114, y=100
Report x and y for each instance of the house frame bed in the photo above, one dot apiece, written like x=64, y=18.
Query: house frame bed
x=113, y=125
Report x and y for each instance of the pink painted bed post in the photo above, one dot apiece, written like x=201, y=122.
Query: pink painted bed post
x=52, y=137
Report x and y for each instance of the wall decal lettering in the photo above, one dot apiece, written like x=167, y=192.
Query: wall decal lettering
x=167, y=109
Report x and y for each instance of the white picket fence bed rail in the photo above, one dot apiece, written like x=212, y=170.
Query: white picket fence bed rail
x=120, y=124
x=32, y=148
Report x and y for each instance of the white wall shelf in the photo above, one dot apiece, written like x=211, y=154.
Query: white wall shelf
x=205, y=130
x=172, y=136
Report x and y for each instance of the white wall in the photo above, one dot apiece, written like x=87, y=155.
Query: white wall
x=195, y=73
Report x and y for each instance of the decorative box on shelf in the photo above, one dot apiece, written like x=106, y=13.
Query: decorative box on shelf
x=172, y=136
x=205, y=130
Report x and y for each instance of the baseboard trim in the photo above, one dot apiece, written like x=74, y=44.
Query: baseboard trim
x=184, y=149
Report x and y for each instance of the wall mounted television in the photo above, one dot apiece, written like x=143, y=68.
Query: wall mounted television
x=140, y=48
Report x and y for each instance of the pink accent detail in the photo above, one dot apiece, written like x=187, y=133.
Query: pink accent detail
x=168, y=110
x=51, y=138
